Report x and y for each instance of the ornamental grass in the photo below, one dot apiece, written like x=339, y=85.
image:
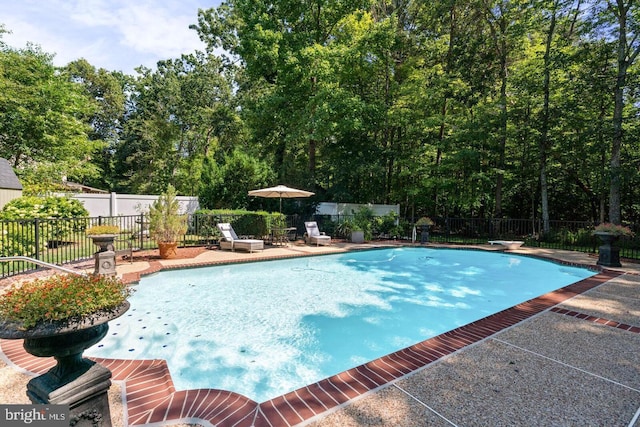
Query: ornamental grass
x=61, y=297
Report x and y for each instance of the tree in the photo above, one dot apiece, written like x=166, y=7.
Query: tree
x=180, y=114
x=43, y=120
x=107, y=90
x=226, y=185
x=625, y=15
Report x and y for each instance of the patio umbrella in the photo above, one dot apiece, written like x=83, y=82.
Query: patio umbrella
x=280, y=191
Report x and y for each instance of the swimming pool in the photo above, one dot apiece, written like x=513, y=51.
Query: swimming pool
x=263, y=329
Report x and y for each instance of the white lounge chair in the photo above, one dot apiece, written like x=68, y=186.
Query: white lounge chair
x=314, y=235
x=232, y=241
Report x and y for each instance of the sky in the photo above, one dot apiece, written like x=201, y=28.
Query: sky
x=118, y=35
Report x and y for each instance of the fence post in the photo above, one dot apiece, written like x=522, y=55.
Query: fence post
x=141, y=231
x=36, y=223
x=447, y=227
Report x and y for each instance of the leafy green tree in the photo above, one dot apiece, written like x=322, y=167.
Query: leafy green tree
x=107, y=90
x=623, y=16
x=284, y=48
x=43, y=120
x=226, y=185
x=182, y=113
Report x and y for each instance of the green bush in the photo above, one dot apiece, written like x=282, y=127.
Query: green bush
x=32, y=207
x=166, y=224
x=385, y=224
x=343, y=229
x=246, y=223
x=363, y=220
x=19, y=237
x=19, y=241
x=251, y=224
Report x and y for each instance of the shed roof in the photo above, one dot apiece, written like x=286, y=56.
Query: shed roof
x=8, y=178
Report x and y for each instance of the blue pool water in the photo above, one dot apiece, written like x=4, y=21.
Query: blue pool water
x=263, y=329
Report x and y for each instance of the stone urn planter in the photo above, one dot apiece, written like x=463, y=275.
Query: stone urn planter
x=608, y=252
x=424, y=225
x=75, y=381
x=105, y=242
x=104, y=237
x=424, y=234
x=105, y=258
x=60, y=316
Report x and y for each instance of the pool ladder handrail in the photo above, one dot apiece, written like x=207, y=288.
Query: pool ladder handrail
x=41, y=263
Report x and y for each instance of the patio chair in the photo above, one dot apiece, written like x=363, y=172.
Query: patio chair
x=314, y=235
x=232, y=241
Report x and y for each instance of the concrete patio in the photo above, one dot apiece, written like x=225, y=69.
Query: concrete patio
x=573, y=364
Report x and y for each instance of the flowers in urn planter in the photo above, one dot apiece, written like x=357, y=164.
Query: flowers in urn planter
x=61, y=297
x=618, y=230
x=102, y=229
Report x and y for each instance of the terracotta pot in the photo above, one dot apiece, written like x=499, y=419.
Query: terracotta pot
x=168, y=249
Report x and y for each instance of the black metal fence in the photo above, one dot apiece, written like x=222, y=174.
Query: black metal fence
x=62, y=241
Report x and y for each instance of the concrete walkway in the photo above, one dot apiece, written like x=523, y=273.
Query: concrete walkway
x=574, y=364
x=568, y=366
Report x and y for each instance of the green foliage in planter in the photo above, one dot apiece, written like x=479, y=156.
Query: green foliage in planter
x=102, y=229
x=618, y=230
x=343, y=229
x=425, y=220
x=61, y=297
x=166, y=224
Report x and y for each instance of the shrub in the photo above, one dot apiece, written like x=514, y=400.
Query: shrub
x=252, y=224
x=363, y=220
x=20, y=235
x=31, y=207
x=386, y=224
x=166, y=224
x=18, y=241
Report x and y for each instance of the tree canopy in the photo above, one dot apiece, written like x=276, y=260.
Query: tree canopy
x=454, y=107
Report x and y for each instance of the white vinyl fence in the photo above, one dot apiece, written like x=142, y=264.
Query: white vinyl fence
x=113, y=204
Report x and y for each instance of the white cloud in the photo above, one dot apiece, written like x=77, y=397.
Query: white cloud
x=112, y=34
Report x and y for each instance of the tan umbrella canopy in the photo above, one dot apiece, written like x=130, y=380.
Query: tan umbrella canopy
x=280, y=191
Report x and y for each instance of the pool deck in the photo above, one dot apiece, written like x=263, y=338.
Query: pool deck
x=567, y=358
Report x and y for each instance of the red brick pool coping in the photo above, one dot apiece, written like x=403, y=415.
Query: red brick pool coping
x=150, y=396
